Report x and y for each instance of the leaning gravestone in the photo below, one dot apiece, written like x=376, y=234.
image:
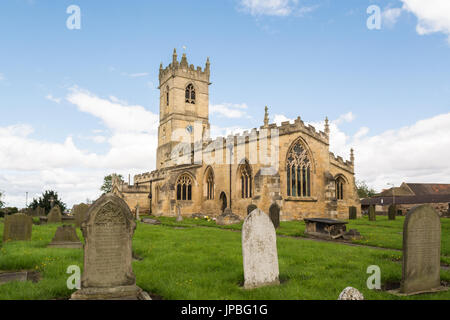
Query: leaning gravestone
x=259, y=251
x=274, y=212
x=66, y=237
x=80, y=213
x=421, y=250
x=54, y=216
x=392, y=211
x=351, y=213
x=372, y=215
x=108, y=232
x=17, y=227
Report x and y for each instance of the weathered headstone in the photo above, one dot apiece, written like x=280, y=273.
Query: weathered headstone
x=259, y=251
x=421, y=250
x=17, y=227
x=39, y=212
x=137, y=212
x=351, y=293
x=372, y=214
x=250, y=208
x=392, y=211
x=227, y=218
x=179, y=216
x=66, y=237
x=54, y=216
x=274, y=212
x=80, y=213
x=352, y=213
x=108, y=232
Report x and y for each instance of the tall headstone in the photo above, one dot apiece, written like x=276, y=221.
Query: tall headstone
x=17, y=227
x=179, y=216
x=137, y=212
x=259, y=251
x=372, y=214
x=108, y=233
x=40, y=212
x=66, y=237
x=352, y=213
x=392, y=211
x=274, y=212
x=80, y=213
x=421, y=250
x=54, y=216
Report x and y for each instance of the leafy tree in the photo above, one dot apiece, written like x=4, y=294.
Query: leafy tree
x=44, y=201
x=364, y=191
x=107, y=183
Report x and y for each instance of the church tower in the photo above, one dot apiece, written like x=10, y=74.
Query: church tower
x=184, y=103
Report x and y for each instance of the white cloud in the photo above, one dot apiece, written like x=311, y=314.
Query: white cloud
x=2, y=77
x=51, y=98
x=275, y=7
x=135, y=75
x=347, y=117
x=229, y=110
x=390, y=16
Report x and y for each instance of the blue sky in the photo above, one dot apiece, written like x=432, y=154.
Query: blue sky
x=385, y=90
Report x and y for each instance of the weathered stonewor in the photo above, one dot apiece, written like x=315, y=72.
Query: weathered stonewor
x=179, y=216
x=17, y=227
x=227, y=218
x=108, y=233
x=392, y=211
x=259, y=251
x=421, y=250
x=54, y=216
x=372, y=214
x=80, y=213
x=66, y=237
x=274, y=212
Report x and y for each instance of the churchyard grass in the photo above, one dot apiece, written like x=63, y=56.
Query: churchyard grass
x=206, y=263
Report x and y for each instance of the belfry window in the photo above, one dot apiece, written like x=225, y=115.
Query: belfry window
x=298, y=171
x=246, y=181
x=190, y=94
x=184, y=187
x=339, y=188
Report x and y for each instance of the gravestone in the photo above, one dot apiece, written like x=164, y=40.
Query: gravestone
x=179, y=216
x=17, y=227
x=137, y=213
x=372, y=215
x=227, y=218
x=39, y=212
x=80, y=213
x=259, y=251
x=421, y=250
x=274, y=212
x=108, y=233
x=352, y=213
x=250, y=208
x=392, y=211
x=351, y=293
x=66, y=237
x=54, y=216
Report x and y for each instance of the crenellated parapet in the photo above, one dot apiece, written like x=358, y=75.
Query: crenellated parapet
x=183, y=69
x=341, y=163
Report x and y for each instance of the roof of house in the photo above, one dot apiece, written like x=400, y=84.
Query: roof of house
x=411, y=193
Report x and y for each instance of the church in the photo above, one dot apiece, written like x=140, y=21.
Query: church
x=287, y=169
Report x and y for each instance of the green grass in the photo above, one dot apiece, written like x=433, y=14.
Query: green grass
x=206, y=263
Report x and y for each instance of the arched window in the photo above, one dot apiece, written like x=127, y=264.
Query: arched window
x=190, y=94
x=167, y=95
x=184, y=187
x=210, y=185
x=246, y=181
x=298, y=171
x=340, y=188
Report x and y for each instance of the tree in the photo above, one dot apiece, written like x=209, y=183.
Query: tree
x=107, y=183
x=2, y=204
x=45, y=201
x=363, y=190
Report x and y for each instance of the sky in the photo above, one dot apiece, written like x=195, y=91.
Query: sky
x=78, y=102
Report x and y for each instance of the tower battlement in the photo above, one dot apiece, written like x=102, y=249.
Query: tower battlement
x=183, y=69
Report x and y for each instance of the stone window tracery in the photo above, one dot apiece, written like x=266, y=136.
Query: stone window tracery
x=246, y=181
x=190, y=94
x=184, y=187
x=298, y=171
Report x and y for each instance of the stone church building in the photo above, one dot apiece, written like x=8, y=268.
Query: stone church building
x=288, y=168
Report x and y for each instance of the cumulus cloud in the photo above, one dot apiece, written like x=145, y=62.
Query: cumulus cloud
x=229, y=110
x=274, y=7
x=52, y=98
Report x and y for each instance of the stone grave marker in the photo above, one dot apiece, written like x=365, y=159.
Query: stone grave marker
x=17, y=227
x=227, y=218
x=421, y=250
x=179, y=216
x=80, y=213
x=108, y=232
x=392, y=211
x=66, y=237
x=352, y=213
x=372, y=214
x=137, y=212
x=259, y=251
x=54, y=216
x=250, y=208
x=274, y=212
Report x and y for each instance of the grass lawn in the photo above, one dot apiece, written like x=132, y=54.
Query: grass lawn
x=206, y=263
